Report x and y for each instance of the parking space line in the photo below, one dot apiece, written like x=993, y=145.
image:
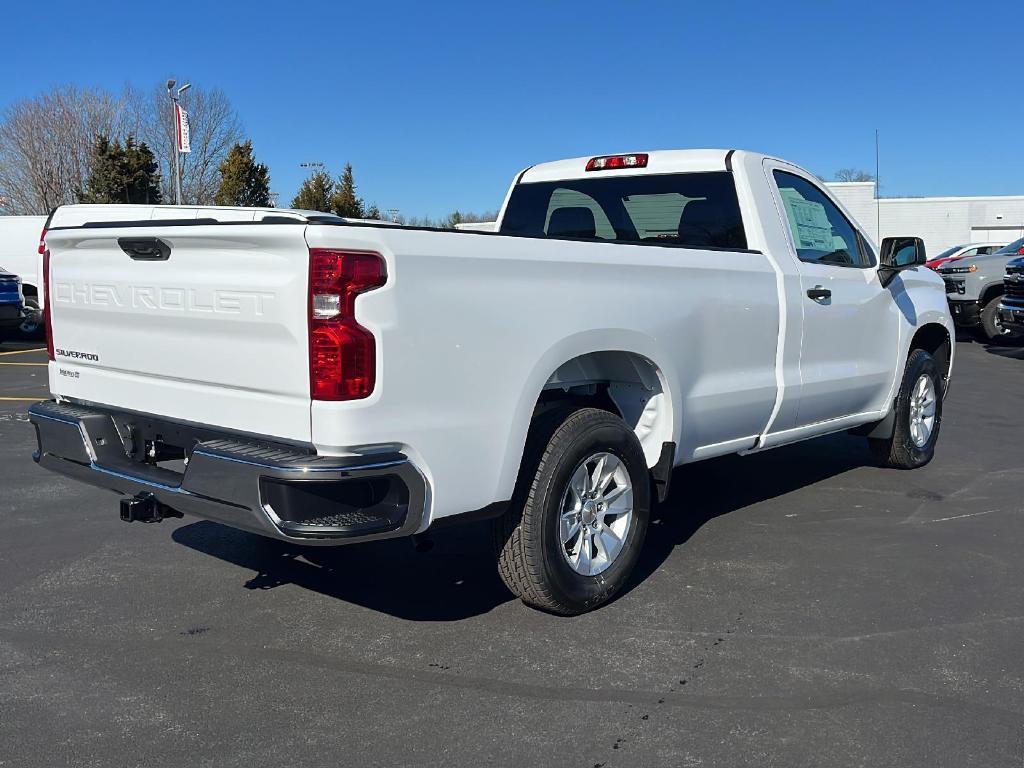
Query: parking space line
x=22, y=351
x=23, y=399
x=41, y=365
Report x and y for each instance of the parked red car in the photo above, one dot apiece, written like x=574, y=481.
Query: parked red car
x=962, y=252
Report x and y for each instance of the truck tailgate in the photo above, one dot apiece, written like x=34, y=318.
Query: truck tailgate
x=216, y=333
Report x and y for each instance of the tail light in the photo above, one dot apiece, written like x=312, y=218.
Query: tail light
x=42, y=241
x=1020, y=251
x=47, y=314
x=342, y=353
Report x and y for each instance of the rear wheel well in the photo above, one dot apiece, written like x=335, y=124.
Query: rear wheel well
x=624, y=383
x=934, y=339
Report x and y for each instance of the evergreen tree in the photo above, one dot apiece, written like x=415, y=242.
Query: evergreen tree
x=373, y=212
x=243, y=181
x=316, y=193
x=345, y=202
x=122, y=174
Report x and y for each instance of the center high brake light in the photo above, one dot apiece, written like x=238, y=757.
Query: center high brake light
x=342, y=353
x=612, y=162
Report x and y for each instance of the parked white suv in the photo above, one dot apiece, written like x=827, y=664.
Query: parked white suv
x=326, y=381
x=21, y=254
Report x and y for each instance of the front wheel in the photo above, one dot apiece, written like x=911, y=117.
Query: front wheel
x=992, y=328
x=576, y=527
x=32, y=326
x=918, y=416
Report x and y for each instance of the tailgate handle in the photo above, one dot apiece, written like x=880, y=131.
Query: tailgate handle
x=145, y=248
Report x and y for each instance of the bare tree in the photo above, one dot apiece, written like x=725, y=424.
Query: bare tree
x=46, y=142
x=215, y=129
x=853, y=174
x=46, y=146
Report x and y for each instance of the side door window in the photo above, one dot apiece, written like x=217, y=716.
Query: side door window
x=850, y=323
x=821, y=233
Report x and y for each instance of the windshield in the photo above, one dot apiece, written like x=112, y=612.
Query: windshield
x=1013, y=247
x=948, y=252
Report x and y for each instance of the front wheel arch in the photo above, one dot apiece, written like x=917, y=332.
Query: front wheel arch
x=934, y=339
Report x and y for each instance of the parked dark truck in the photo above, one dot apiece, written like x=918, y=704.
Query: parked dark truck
x=1011, y=308
x=12, y=303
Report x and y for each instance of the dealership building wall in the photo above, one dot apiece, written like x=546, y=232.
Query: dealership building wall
x=941, y=221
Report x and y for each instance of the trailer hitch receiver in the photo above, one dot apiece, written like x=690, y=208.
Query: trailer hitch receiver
x=144, y=508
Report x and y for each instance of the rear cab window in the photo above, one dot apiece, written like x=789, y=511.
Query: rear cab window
x=697, y=210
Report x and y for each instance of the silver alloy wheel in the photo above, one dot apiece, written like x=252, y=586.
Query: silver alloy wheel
x=922, y=410
x=596, y=514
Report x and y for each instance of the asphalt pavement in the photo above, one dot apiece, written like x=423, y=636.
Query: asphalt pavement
x=794, y=608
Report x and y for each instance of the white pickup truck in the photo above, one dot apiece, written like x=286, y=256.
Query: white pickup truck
x=325, y=381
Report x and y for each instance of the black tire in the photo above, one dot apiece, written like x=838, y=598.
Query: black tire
x=991, y=329
x=901, y=451
x=29, y=331
x=530, y=553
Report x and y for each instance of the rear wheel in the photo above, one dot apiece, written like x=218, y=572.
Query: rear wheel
x=576, y=527
x=918, y=416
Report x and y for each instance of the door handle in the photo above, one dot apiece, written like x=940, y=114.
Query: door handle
x=819, y=293
x=145, y=248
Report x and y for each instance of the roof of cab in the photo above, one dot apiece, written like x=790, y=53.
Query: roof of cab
x=658, y=161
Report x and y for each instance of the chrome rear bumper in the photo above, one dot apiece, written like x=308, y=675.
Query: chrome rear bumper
x=267, y=489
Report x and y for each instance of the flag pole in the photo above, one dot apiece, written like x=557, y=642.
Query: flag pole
x=176, y=117
x=174, y=139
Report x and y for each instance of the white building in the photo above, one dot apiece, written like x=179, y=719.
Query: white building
x=941, y=221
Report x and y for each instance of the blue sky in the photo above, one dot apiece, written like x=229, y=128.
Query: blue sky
x=437, y=105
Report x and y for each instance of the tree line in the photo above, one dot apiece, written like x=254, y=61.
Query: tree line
x=322, y=192
x=129, y=173
x=96, y=146
x=50, y=144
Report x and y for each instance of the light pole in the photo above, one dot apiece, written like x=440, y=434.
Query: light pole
x=174, y=122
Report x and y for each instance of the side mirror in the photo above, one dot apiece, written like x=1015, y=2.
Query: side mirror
x=902, y=252
x=898, y=254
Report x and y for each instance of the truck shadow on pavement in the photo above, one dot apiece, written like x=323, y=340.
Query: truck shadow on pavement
x=457, y=579
x=1008, y=349
x=454, y=580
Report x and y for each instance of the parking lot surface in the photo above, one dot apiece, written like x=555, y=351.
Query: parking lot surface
x=798, y=607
